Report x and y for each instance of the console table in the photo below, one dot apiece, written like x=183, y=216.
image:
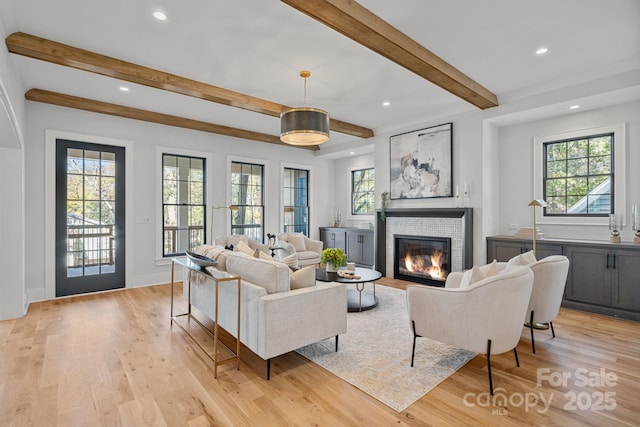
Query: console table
x=218, y=277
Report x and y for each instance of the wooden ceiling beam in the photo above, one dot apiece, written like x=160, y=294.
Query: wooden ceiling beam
x=61, y=54
x=359, y=24
x=85, y=104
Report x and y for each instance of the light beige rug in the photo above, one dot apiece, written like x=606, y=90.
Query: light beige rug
x=375, y=353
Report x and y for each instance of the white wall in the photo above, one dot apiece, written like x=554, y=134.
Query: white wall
x=342, y=189
x=144, y=139
x=516, y=168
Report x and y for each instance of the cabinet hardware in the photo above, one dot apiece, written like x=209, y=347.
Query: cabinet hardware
x=607, y=261
x=614, y=261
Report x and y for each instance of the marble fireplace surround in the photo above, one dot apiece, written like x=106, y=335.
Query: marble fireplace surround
x=456, y=223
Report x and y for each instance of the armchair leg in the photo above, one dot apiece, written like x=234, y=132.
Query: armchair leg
x=413, y=350
x=552, y=331
x=515, y=353
x=336, y=343
x=268, y=369
x=489, y=366
x=533, y=343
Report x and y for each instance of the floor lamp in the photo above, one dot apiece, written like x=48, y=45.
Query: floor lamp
x=533, y=204
x=213, y=211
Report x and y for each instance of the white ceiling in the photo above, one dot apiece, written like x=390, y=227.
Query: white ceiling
x=258, y=47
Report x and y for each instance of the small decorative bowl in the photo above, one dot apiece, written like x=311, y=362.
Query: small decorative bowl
x=200, y=260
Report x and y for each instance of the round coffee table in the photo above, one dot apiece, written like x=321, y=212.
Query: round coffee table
x=356, y=299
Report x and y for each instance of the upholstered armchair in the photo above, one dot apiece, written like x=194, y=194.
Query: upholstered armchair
x=549, y=280
x=484, y=317
x=308, y=250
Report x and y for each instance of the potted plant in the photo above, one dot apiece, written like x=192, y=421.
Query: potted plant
x=334, y=258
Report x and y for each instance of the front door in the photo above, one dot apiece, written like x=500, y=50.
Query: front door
x=90, y=232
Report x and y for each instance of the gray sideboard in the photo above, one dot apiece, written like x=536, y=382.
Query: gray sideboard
x=357, y=243
x=603, y=277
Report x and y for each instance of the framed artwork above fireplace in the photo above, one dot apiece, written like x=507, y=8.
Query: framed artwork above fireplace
x=421, y=163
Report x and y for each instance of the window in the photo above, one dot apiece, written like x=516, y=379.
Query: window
x=579, y=176
x=362, y=191
x=571, y=200
x=296, y=201
x=183, y=203
x=247, y=193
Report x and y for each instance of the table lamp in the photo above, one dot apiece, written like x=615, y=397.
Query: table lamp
x=533, y=204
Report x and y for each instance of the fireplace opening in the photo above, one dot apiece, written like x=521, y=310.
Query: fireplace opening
x=422, y=259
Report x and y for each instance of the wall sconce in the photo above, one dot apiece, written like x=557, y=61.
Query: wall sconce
x=213, y=210
x=615, y=225
x=533, y=204
x=635, y=225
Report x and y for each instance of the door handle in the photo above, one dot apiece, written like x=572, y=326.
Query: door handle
x=614, y=261
x=607, y=261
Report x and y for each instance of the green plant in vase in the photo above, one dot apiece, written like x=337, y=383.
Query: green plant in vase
x=334, y=258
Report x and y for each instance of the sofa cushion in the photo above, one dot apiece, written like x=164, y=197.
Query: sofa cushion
x=472, y=276
x=490, y=269
x=243, y=247
x=272, y=276
x=297, y=240
x=522, y=259
x=303, y=278
x=290, y=260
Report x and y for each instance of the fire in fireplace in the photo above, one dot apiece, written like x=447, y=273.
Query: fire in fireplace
x=422, y=259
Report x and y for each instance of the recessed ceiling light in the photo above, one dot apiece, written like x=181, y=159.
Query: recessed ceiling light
x=386, y=103
x=352, y=152
x=160, y=16
x=124, y=88
x=542, y=51
x=574, y=107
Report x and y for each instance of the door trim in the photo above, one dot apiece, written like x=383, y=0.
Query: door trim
x=49, y=291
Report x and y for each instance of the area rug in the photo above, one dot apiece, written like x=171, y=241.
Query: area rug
x=375, y=353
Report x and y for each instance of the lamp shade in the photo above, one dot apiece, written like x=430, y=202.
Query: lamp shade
x=304, y=126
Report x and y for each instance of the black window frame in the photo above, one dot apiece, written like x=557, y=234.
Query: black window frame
x=371, y=192
x=254, y=231
x=611, y=175
x=203, y=229
x=301, y=212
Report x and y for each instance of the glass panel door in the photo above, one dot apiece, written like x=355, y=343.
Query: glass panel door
x=89, y=217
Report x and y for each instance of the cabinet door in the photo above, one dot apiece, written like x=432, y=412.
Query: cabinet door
x=625, y=268
x=333, y=238
x=589, y=278
x=368, y=248
x=544, y=250
x=503, y=250
x=354, y=248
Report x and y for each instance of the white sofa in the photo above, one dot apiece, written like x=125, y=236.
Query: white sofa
x=274, y=319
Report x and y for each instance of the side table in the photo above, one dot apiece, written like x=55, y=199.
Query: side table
x=218, y=277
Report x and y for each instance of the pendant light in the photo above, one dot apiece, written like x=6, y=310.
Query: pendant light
x=304, y=125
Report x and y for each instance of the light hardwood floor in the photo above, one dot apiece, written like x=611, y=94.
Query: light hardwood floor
x=113, y=359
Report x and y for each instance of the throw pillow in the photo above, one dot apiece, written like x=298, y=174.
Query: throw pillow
x=297, y=240
x=244, y=248
x=472, y=276
x=490, y=269
x=262, y=255
x=522, y=259
x=303, y=278
x=290, y=260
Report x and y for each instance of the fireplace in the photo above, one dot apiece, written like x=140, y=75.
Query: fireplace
x=422, y=259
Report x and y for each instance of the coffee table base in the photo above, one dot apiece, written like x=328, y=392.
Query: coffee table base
x=354, y=303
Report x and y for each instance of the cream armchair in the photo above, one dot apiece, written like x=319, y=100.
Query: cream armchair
x=485, y=317
x=550, y=278
x=308, y=250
